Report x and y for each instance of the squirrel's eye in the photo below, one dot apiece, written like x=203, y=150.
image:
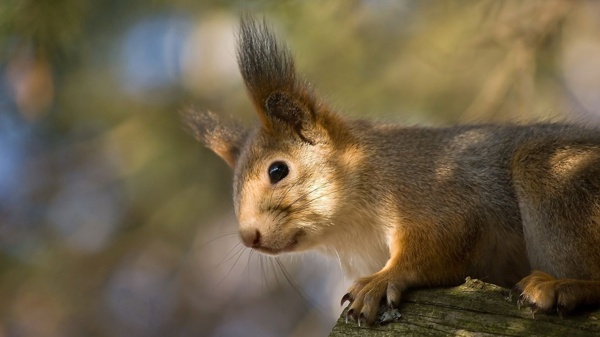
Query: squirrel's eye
x=277, y=171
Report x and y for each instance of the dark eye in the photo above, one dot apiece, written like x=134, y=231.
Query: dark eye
x=277, y=171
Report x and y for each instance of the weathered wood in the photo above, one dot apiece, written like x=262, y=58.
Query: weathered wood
x=475, y=308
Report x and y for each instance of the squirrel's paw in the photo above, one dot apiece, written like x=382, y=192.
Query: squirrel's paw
x=542, y=292
x=367, y=294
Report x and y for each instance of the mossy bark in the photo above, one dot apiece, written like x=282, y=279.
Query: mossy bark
x=475, y=308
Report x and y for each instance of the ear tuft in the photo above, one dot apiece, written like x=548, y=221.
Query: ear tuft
x=226, y=139
x=266, y=64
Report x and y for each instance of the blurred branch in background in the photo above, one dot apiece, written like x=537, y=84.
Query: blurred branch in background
x=114, y=222
x=523, y=30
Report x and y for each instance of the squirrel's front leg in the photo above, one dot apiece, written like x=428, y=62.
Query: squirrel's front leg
x=367, y=294
x=417, y=258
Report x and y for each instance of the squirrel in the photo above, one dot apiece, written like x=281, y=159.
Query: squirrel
x=403, y=207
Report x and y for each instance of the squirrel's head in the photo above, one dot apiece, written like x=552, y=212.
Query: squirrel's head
x=289, y=170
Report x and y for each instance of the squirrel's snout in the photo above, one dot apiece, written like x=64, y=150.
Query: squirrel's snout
x=250, y=237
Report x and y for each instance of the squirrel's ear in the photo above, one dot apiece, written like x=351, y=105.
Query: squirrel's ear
x=224, y=139
x=269, y=73
x=283, y=108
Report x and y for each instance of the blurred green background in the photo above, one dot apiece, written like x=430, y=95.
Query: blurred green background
x=114, y=222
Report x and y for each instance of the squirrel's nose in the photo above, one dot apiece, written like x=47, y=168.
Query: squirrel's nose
x=250, y=237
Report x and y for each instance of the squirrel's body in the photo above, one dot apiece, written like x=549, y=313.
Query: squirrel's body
x=456, y=186
x=405, y=207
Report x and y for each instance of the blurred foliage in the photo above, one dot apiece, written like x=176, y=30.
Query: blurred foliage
x=113, y=221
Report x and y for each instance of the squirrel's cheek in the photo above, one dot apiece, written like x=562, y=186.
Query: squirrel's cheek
x=320, y=196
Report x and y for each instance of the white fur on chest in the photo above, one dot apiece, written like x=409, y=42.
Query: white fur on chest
x=360, y=243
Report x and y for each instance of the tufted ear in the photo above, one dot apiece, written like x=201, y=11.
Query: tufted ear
x=281, y=108
x=226, y=139
x=281, y=99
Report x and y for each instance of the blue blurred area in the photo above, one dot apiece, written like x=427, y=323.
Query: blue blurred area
x=13, y=149
x=86, y=212
x=16, y=140
x=151, y=54
x=13, y=135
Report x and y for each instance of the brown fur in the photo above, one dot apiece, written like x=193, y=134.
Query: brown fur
x=405, y=207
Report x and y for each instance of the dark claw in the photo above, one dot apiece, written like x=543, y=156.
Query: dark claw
x=522, y=302
x=562, y=310
x=534, y=309
x=346, y=298
x=519, y=303
x=350, y=314
x=516, y=289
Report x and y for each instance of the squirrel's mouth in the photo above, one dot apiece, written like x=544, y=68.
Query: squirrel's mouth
x=289, y=247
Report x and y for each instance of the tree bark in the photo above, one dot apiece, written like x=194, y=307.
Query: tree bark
x=475, y=308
